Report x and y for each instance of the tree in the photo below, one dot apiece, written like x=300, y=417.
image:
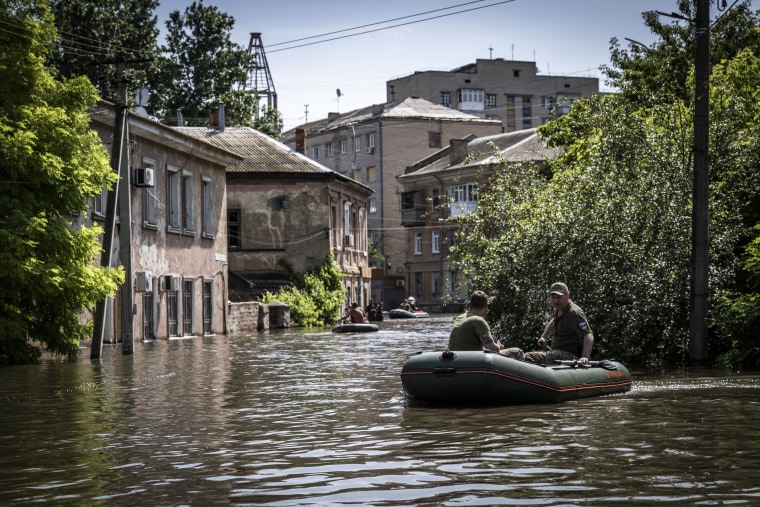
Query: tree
x=646, y=75
x=200, y=66
x=612, y=218
x=51, y=164
x=94, y=32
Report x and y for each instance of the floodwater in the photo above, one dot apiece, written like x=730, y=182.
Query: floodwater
x=300, y=417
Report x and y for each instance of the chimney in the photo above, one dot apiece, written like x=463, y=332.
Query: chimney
x=301, y=141
x=221, y=117
x=180, y=120
x=457, y=150
x=333, y=116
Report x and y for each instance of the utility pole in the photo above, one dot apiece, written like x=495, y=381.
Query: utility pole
x=120, y=165
x=700, y=212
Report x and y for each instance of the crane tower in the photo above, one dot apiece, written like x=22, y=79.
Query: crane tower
x=260, y=79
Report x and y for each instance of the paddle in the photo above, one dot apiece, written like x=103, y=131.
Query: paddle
x=604, y=363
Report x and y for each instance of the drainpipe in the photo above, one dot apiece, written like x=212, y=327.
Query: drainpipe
x=440, y=224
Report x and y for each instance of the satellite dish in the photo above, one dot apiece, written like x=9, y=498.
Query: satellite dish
x=338, y=92
x=142, y=96
x=141, y=110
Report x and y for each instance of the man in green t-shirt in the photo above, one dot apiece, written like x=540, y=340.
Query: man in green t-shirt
x=472, y=332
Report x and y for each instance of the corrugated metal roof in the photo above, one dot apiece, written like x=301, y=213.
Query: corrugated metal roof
x=520, y=146
x=262, y=153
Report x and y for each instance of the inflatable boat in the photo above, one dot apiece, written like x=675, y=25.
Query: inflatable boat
x=474, y=377
x=398, y=313
x=354, y=327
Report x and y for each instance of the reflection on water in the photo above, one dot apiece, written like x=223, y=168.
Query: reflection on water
x=315, y=418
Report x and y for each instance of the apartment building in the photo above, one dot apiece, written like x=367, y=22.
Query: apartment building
x=286, y=211
x=178, y=250
x=438, y=189
x=512, y=92
x=373, y=146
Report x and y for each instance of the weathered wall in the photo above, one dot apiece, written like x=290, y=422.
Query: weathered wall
x=252, y=316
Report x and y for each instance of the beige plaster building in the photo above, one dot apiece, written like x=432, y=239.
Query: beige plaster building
x=286, y=211
x=441, y=187
x=512, y=92
x=178, y=250
x=373, y=146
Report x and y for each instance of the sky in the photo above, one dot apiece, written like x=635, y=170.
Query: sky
x=563, y=37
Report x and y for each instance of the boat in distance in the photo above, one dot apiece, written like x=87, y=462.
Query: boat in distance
x=400, y=313
x=489, y=378
x=355, y=327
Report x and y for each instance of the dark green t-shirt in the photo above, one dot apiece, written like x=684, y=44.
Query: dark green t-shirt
x=570, y=329
x=465, y=335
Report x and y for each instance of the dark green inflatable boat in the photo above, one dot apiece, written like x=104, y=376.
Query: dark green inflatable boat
x=358, y=327
x=473, y=377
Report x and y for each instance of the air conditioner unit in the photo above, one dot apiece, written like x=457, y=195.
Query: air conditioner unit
x=143, y=177
x=400, y=284
x=370, y=149
x=143, y=281
x=170, y=283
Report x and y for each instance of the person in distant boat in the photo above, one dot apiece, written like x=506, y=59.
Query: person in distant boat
x=354, y=314
x=568, y=332
x=472, y=332
x=405, y=306
x=411, y=301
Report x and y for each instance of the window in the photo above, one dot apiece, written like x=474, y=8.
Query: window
x=436, y=283
x=373, y=205
x=233, y=229
x=149, y=331
x=436, y=242
x=357, y=143
x=188, y=203
x=527, y=112
x=435, y=200
x=516, y=73
x=491, y=100
x=362, y=230
x=172, y=312
x=208, y=306
x=370, y=140
x=207, y=219
x=417, y=243
x=173, y=199
x=347, y=218
x=407, y=201
x=470, y=95
x=434, y=139
x=150, y=215
x=446, y=99
x=464, y=198
x=342, y=146
x=371, y=174
x=328, y=150
x=100, y=203
x=547, y=102
x=356, y=174
x=187, y=307
x=315, y=152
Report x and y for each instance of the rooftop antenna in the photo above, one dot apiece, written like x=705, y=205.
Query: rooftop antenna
x=513, y=52
x=339, y=94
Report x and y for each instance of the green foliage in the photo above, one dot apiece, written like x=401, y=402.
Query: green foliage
x=650, y=75
x=269, y=122
x=51, y=164
x=200, y=66
x=93, y=32
x=316, y=298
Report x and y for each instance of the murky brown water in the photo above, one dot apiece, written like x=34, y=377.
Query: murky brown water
x=315, y=418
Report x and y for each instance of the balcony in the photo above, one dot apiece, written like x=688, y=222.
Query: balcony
x=413, y=217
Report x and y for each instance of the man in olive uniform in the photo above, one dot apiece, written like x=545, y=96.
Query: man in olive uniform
x=568, y=332
x=472, y=332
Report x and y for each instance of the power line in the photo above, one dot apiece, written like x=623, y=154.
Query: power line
x=386, y=27
x=373, y=24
